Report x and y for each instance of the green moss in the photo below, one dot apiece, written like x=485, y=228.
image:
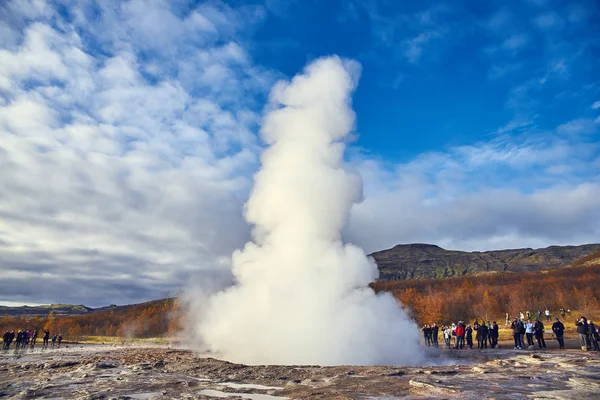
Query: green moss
x=459, y=269
x=440, y=272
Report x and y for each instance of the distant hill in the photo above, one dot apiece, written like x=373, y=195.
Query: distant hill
x=422, y=261
x=74, y=309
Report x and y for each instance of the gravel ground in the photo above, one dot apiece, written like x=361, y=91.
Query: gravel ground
x=119, y=372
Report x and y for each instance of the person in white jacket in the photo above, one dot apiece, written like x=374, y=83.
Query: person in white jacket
x=529, y=332
x=447, y=335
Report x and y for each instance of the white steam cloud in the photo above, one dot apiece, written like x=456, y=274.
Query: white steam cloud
x=302, y=296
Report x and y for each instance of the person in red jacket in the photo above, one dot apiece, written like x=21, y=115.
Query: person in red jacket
x=460, y=335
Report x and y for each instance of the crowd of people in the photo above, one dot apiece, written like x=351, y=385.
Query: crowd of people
x=28, y=339
x=486, y=334
x=525, y=332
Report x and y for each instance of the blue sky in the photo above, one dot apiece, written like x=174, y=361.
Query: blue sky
x=129, y=131
x=442, y=74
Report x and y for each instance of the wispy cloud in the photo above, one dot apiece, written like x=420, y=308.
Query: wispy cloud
x=515, y=42
x=414, y=47
x=549, y=19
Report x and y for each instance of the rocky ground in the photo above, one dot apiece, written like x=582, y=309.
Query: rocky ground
x=105, y=372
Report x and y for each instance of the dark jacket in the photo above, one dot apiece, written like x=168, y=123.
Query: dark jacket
x=469, y=334
x=592, y=331
x=582, y=327
x=494, y=331
x=558, y=328
x=538, y=328
x=517, y=327
x=483, y=331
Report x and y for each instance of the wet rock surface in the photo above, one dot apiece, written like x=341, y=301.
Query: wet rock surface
x=103, y=372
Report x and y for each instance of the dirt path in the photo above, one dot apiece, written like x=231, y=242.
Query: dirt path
x=103, y=372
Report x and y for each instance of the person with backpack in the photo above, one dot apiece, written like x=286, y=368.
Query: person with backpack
x=582, y=331
x=559, y=331
x=539, y=333
x=516, y=327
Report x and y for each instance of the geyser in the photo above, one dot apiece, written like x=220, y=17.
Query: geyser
x=301, y=295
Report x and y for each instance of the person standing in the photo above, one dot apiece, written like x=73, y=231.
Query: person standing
x=494, y=332
x=434, y=334
x=426, y=333
x=454, y=333
x=46, y=338
x=582, y=331
x=529, y=332
x=516, y=326
x=469, y=336
x=547, y=312
x=476, y=327
x=483, y=332
x=447, y=335
x=593, y=335
x=559, y=331
x=507, y=320
x=460, y=334
x=539, y=333
x=34, y=338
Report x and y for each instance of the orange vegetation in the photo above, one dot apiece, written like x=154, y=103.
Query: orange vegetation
x=153, y=319
x=490, y=296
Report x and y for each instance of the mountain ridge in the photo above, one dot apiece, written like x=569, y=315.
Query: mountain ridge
x=422, y=260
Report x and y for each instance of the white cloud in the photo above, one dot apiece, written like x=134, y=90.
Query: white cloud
x=506, y=193
x=127, y=148
x=111, y=177
x=596, y=105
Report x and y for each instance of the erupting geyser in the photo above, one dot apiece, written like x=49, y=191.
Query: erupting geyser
x=302, y=296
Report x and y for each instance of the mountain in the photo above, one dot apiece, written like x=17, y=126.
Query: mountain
x=76, y=309
x=420, y=261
